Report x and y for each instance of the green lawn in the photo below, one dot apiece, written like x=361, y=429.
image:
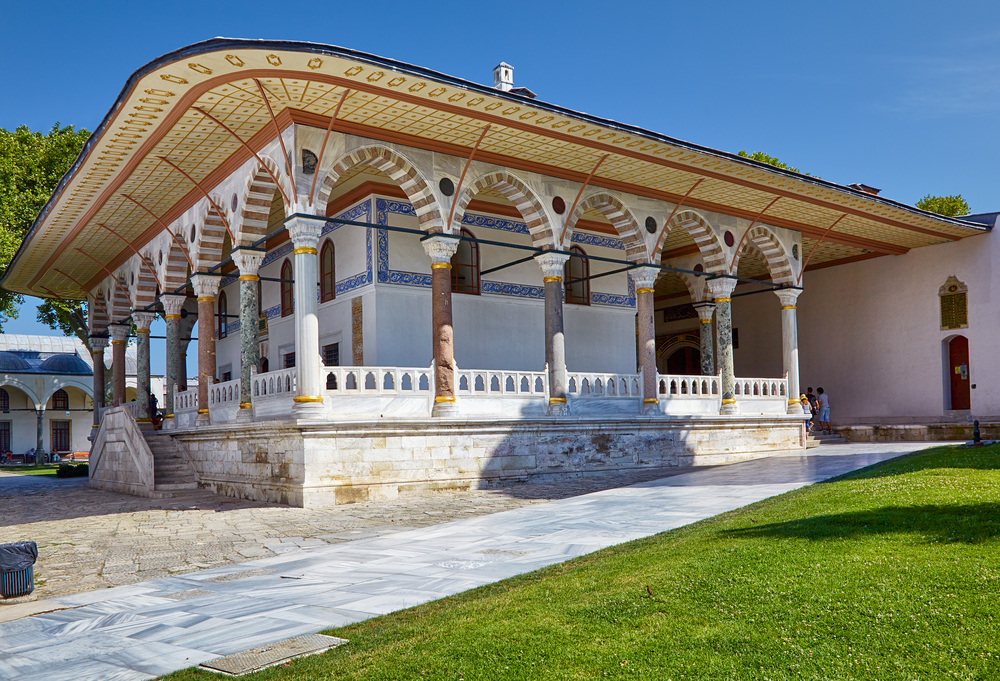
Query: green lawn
x=44, y=469
x=892, y=572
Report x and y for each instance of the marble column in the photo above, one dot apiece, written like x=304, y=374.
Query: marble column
x=97, y=345
x=172, y=316
x=248, y=260
x=440, y=249
x=553, y=265
x=119, y=339
x=309, y=400
x=705, y=311
x=39, y=443
x=790, y=345
x=206, y=287
x=644, y=278
x=142, y=321
x=721, y=290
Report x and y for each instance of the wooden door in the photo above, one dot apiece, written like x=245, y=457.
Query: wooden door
x=684, y=361
x=958, y=361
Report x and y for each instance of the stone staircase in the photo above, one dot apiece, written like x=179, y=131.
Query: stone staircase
x=172, y=475
x=818, y=438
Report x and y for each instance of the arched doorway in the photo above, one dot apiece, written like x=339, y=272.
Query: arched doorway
x=958, y=373
x=685, y=361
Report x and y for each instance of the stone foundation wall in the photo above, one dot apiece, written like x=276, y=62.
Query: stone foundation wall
x=944, y=432
x=120, y=459
x=315, y=466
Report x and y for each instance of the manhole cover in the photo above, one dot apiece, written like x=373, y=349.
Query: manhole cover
x=269, y=655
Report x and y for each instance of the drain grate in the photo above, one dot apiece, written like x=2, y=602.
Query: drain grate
x=272, y=654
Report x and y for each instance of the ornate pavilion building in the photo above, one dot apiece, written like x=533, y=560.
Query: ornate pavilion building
x=406, y=279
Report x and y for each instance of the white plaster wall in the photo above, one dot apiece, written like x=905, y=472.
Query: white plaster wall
x=758, y=319
x=869, y=332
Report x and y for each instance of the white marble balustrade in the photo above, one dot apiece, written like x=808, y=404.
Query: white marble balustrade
x=224, y=400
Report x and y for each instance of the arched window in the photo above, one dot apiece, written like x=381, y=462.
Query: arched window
x=60, y=400
x=286, y=289
x=575, y=278
x=4, y=400
x=327, y=273
x=223, y=314
x=465, y=266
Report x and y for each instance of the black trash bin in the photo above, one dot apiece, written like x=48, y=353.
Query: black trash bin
x=17, y=568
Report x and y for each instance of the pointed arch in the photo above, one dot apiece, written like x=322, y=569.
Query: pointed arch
x=709, y=245
x=97, y=312
x=173, y=265
x=144, y=290
x=779, y=264
x=397, y=167
x=211, y=234
x=524, y=199
x=620, y=216
x=119, y=305
x=255, y=204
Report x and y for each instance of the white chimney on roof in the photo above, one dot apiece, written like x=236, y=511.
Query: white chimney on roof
x=503, y=77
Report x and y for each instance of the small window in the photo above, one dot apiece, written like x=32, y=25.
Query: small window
x=287, y=302
x=331, y=355
x=575, y=276
x=227, y=376
x=327, y=273
x=60, y=400
x=4, y=400
x=465, y=266
x=289, y=360
x=4, y=436
x=223, y=315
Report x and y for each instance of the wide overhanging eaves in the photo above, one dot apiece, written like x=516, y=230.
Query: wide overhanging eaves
x=155, y=117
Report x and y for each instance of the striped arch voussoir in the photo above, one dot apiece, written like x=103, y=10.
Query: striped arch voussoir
x=144, y=291
x=402, y=172
x=97, y=316
x=256, y=204
x=208, y=247
x=119, y=305
x=621, y=217
x=699, y=229
x=173, y=271
x=778, y=263
x=523, y=198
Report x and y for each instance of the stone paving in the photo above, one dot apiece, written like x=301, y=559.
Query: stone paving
x=146, y=629
x=89, y=538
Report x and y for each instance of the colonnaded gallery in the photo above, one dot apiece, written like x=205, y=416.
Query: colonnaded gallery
x=408, y=280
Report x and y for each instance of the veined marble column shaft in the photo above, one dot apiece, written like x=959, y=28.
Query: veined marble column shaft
x=39, y=446
x=790, y=345
x=142, y=321
x=644, y=278
x=440, y=249
x=705, y=311
x=206, y=287
x=722, y=289
x=119, y=339
x=172, y=306
x=248, y=261
x=553, y=265
x=97, y=345
x=305, y=236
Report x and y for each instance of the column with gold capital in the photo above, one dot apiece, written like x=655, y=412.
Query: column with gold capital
x=440, y=249
x=644, y=278
x=305, y=234
x=790, y=345
x=553, y=265
x=142, y=322
x=248, y=261
x=705, y=312
x=722, y=290
x=172, y=306
x=119, y=339
x=97, y=345
x=206, y=287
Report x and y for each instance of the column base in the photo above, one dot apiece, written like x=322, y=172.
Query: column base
x=559, y=407
x=795, y=407
x=650, y=407
x=445, y=408
x=729, y=408
x=244, y=415
x=145, y=425
x=203, y=418
x=307, y=409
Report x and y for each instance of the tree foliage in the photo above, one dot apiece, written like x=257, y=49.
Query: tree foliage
x=951, y=206
x=31, y=165
x=770, y=160
x=68, y=316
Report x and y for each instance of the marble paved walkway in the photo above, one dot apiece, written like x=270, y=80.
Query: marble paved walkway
x=151, y=628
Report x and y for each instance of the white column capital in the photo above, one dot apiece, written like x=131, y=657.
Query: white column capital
x=304, y=233
x=142, y=320
x=205, y=285
x=552, y=264
x=98, y=343
x=705, y=310
x=440, y=248
x=248, y=260
x=172, y=304
x=787, y=296
x=721, y=288
x=645, y=276
x=119, y=332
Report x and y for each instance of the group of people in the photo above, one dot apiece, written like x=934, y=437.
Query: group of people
x=6, y=456
x=818, y=407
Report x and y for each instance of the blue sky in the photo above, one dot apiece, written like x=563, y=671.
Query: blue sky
x=898, y=95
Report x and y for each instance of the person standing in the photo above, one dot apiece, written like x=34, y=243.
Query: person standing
x=813, y=408
x=824, y=410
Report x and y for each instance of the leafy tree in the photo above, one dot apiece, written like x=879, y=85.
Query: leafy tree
x=31, y=165
x=68, y=316
x=770, y=160
x=951, y=206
